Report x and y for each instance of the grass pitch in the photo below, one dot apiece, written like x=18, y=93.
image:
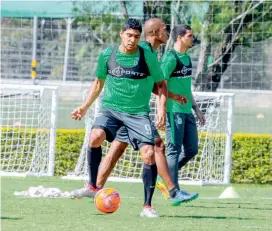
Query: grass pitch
x=252, y=211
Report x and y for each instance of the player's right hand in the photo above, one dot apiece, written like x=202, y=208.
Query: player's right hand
x=78, y=113
x=161, y=119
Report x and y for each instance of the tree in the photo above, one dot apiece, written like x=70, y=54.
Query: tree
x=95, y=29
x=249, y=16
x=221, y=27
x=158, y=9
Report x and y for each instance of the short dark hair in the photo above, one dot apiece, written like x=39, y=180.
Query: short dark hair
x=132, y=23
x=179, y=30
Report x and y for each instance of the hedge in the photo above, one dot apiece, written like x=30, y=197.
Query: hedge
x=251, y=153
x=251, y=158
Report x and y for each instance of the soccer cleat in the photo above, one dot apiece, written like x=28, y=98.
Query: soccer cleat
x=183, y=197
x=162, y=187
x=149, y=212
x=83, y=192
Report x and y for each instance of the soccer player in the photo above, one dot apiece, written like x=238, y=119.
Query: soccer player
x=127, y=73
x=180, y=122
x=155, y=34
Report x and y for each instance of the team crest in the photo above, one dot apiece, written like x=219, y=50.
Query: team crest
x=179, y=120
x=118, y=71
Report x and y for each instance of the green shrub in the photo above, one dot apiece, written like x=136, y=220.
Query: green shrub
x=68, y=146
x=251, y=154
x=251, y=158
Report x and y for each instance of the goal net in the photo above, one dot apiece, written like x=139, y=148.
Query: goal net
x=212, y=165
x=28, y=129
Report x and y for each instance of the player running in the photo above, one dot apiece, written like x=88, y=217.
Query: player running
x=128, y=73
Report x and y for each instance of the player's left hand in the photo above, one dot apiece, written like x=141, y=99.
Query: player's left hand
x=178, y=98
x=200, y=116
x=161, y=119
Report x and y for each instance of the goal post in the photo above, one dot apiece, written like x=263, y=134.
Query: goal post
x=215, y=139
x=212, y=165
x=28, y=129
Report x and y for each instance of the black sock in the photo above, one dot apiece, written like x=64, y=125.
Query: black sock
x=173, y=192
x=94, y=156
x=149, y=178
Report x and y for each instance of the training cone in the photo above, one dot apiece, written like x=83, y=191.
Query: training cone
x=229, y=192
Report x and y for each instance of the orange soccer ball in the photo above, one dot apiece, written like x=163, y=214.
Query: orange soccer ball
x=107, y=200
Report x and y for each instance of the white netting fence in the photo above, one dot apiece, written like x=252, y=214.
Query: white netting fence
x=231, y=51
x=211, y=165
x=28, y=123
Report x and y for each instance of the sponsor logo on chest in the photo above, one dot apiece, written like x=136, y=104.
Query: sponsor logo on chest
x=184, y=71
x=119, y=71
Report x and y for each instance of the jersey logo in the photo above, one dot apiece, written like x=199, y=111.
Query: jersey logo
x=119, y=71
x=184, y=71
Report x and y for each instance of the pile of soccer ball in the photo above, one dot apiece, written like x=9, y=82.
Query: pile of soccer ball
x=107, y=200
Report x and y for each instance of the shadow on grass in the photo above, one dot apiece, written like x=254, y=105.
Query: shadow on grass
x=11, y=218
x=208, y=217
x=101, y=214
x=233, y=203
x=239, y=206
x=243, y=203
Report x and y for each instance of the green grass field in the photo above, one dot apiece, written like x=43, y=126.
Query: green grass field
x=252, y=211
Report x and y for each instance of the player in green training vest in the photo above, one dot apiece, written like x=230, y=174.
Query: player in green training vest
x=155, y=34
x=180, y=122
x=127, y=73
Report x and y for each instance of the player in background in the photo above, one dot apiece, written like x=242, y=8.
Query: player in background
x=155, y=33
x=127, y=73
x=181, y=127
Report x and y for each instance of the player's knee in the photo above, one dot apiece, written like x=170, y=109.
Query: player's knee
x=195, y=150
x=172, y=151
x=159, y=147
x=191, y=152
x=97, y=136
x=148, y=154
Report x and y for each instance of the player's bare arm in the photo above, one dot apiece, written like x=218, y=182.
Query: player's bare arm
x=94, y=92
x=177, y=97
x=161, y=117
x=198, y=112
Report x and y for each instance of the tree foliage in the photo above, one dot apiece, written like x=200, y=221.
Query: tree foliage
x=223, y=29
x=228, y=25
